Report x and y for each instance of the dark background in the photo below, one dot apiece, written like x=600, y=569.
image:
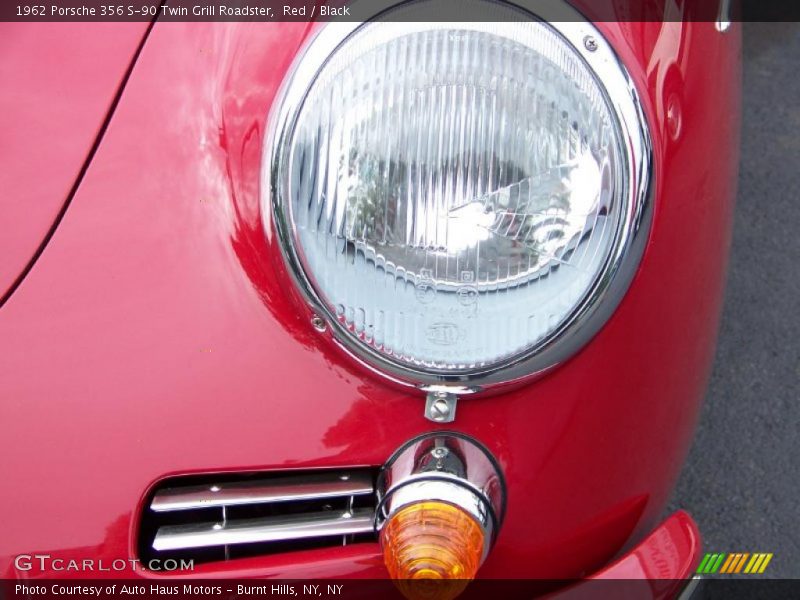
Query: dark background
x=741, y=481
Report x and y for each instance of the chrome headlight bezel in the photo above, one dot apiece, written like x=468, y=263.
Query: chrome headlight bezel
x=609, y=287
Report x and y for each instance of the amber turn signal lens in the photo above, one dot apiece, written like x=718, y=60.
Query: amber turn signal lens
x=432, y=540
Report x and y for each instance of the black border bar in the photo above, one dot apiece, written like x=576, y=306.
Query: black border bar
x=432, y=10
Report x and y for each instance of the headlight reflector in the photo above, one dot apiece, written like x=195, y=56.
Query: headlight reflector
x=456, y=196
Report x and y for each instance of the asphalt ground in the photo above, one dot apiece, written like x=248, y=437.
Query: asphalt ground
x=741, y=481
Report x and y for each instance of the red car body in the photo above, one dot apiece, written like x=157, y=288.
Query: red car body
x=158, y=332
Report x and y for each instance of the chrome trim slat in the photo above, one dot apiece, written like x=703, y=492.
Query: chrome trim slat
x=263, y=491
x=268, y=529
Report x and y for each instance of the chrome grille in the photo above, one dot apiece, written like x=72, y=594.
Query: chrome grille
x=224, y=517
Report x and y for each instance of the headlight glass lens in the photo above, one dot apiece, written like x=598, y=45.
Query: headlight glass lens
x=453, y=190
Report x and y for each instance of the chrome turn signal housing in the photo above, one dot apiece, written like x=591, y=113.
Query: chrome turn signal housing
x=441, y=501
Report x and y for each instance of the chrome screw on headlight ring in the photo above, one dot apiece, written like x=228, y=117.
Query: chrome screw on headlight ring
x=465, y=203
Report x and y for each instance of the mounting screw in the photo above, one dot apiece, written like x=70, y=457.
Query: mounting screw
x=440, y=407
x=318, y=323
x=590, y=43
x=440, y=452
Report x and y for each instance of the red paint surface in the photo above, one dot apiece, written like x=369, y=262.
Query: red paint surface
x=58, y=81
x=655, y=569
x=159, y=333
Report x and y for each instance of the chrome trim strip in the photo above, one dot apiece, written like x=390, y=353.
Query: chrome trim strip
x=612, y=282
x=269, y=529
x=283, y=489
x=724, y=16
x=692, y=589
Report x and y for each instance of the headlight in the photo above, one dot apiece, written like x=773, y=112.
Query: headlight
x=463, y=202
